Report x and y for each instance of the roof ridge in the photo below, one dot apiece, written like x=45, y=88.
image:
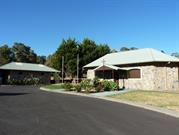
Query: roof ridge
x=151, y=52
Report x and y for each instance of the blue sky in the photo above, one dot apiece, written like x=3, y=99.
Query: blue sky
x=42, y=24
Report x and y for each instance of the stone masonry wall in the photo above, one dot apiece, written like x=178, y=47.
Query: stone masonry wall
x=20, y=75
x=145, y=82
x=152, y=78
x=166, y=78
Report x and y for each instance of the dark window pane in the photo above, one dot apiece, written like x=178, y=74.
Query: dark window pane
x=134, y=73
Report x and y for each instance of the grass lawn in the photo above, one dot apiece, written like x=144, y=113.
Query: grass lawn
x=168, y=100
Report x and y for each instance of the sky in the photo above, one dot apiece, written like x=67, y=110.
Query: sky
x=42, y=24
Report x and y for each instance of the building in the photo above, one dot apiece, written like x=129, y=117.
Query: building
x=21, y=71
x=146, y=69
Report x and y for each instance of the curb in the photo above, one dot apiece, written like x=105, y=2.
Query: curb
x=147, y=107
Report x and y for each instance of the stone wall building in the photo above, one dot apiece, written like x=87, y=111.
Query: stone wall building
x=16, y=71
x=145, y=69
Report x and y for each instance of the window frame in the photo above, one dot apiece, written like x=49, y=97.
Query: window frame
x=135, y=68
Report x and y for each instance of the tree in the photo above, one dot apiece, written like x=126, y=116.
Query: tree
x=24, y=53
x=68, y=49
x=114, y=51
x=41, y=59
x=175, y=54
x=49, y=61
x=127, y=49
x=6, y=55
x=124, y=49
x=87, y=51
x=90, y=51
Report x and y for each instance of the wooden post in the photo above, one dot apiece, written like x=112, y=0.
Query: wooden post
x=62, y=68
x=77, y=68
x=113, y=75
x=103, y=68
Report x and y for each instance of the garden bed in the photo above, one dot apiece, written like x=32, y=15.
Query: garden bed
x=86, y=86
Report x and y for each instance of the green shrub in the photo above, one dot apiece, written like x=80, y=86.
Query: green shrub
x=67, y=86
x=96, y=82
x=77, y=88
x=85, y=83
x=109, y=85
x=99, y=87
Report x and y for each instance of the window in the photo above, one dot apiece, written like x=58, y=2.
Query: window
x=42, y=73
x=107, y=74
x=134, y=73
x=20, y=73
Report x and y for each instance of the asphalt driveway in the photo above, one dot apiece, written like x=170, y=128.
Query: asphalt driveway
x=29, y=111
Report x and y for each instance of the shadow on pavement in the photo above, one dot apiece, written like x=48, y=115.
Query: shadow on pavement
x=12, y=94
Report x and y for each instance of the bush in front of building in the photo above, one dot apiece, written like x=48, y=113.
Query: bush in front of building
x=67, y=86
x=77, y=87
x=109, y=85
x=25, y=81
x=86, y=85
x=96, y=85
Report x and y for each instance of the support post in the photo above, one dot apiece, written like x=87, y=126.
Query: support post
x=77, y=79
x=62, y=68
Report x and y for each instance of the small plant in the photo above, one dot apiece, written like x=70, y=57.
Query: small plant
x=96, y=82
x=99, y=87
x=86, y=84
x=67, y=86
x=109, y=85
x=77, y=88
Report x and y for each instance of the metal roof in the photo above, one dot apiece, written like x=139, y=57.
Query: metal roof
x=115, y=67
x=27, y=67
x=132, y=57
x=109, y=66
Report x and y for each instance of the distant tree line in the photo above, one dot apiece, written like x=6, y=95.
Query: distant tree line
x=88, y=51
x=19, y=52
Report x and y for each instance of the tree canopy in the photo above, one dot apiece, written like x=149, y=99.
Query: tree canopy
x=19, y=53
x=175, y=54
x=87, y=50
x=6, y=55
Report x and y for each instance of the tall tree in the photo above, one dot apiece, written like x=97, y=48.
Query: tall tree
x=86, y=49
x=124, y=49
x=175, y=54
x=24, y=53
x=50, y=61
x=68, y=49
x=90, y=51
x=6, y=55
x=41, y=59
x=127, y=49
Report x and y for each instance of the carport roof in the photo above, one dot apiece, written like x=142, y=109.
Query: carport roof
x=27, y=67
